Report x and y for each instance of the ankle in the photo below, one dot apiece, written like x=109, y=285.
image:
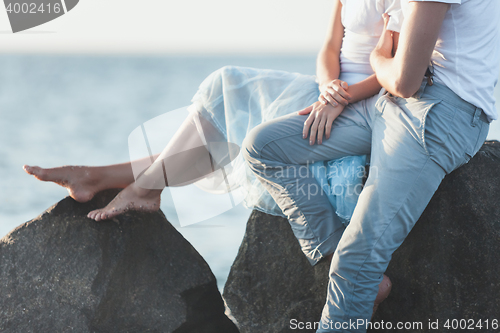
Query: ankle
x=145, y=192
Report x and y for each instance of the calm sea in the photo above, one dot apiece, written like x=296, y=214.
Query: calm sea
x=80, y=110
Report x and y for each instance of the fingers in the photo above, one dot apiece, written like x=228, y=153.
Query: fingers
x=326, y=98
x=314, y=130
x=328, y=127
x=338, y=95
x=307, y=125
x=385, y=43
x=321, y=130
x=306, y=110
x=319, y=123
x=386, y=17
x=335, y=94
x=322, y=99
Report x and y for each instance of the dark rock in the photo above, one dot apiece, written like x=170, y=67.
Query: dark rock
x=64, y=272
x=271, y=281
x=447, y=268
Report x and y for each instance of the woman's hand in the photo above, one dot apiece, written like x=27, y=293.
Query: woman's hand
x=335, y=93
x=319, y=121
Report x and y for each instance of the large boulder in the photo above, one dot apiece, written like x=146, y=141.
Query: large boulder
x=63, y=272
x=447, y=268
x=271, y=282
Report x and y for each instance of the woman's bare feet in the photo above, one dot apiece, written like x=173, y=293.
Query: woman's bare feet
x=132, y=197
x=80, y=182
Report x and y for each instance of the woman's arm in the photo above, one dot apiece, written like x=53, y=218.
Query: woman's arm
x=328, y=62
x=370, y=86
x=328, y=67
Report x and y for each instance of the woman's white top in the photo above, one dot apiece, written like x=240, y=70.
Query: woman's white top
x=467, y=54
x=363, y=25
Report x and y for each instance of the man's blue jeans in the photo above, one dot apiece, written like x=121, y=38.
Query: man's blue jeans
x=413, y=144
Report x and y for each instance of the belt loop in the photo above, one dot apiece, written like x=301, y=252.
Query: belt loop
x=477, y=115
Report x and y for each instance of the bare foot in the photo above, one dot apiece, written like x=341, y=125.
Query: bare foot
x=384, y=288
x=79, y=181
x=132, y=197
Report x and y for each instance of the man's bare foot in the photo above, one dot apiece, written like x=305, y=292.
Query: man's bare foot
x=81, y=184
x=384, y=288
x=132, y=197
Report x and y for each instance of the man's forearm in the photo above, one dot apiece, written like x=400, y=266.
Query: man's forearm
x=389, y=75
x=402, y=74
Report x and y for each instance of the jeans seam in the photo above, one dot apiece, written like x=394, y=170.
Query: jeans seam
x=289, y=135
x=473, y=148
x=446, y=139
x=273, y=140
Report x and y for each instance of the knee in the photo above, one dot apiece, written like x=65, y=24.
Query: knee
x=362, y=267
x=253, y=143
x=260, y=143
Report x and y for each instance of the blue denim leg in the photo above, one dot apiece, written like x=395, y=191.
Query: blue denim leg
x=280, y=158
x=415, y=143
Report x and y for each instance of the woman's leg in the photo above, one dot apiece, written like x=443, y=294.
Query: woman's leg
x=83, y=182
x=277, y=153
x=280, y=159
x=183, y=161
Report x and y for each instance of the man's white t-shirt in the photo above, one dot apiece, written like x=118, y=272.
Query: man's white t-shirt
x=467, y=54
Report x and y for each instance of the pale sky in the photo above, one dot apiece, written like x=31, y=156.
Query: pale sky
x=181, y=26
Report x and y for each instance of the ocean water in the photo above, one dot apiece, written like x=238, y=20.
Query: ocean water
x=80, y=110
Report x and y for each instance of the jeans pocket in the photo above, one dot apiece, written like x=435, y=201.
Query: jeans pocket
x=437, y=125
x=426, y=121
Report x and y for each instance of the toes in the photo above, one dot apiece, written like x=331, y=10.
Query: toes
x=38, y=172
x=91, y=214
x=94, y=215
x=29, y=169
x=99, y=216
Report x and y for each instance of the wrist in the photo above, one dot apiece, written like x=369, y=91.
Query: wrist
x=322, y=87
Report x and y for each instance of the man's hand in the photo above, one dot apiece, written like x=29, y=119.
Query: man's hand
x=402, y=74
x=385, y=44
x=319, y=121
x=335, y=93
